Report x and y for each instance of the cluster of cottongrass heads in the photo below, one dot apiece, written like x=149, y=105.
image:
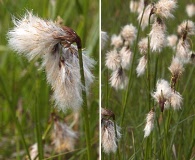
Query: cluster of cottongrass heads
x=119, y=58
x=34, y=37
x=155, y=15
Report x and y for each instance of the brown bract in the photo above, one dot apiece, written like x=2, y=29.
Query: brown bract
x=70, y=38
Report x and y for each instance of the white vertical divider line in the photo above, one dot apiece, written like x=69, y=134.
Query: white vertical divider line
x=100, y=81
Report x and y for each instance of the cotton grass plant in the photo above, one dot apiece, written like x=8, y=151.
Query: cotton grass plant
x=29, y=83
x=155, y=107
x=65, y=68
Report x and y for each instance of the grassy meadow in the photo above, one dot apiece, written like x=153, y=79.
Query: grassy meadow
x=25, y=105
x=173, y=136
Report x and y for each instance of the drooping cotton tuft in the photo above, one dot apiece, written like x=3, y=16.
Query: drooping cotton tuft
x=109, y=137
x=129, y=33
x=63, y=73
x=186, y=27
x=104, y=39
x=176, y=68
x=176, y=100
x=63, y=137
x=149, y=123
x=113, y=60
x=136, y=6
x=116, y=41
x=190, y=9
x=33, y=36
x=143, y=45
x=183, y=50
x=125, y=54
x=164, y=8
x=118, y=79
x=158, y=36
x=145, y=18
x=163, y=93
x=162, y=87
x=141, y=66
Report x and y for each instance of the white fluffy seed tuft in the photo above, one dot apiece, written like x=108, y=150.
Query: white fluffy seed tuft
x=149, y=123
x=118, y=79
x=109, y=138
x=158, y=36
x=141, y=66
x=113, y=60
x=129, y=33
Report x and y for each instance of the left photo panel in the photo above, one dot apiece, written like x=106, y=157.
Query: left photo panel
x=49, y=79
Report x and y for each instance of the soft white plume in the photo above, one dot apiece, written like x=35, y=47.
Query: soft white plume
x=149, y=123
x=33, y=36
x=109, y=137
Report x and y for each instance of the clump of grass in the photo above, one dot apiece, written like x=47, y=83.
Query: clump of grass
x=167, y=109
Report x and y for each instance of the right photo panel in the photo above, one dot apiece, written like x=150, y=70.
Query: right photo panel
x=147, y=80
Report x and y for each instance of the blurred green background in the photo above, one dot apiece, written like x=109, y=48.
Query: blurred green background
x=181, y=132
x=23, y=88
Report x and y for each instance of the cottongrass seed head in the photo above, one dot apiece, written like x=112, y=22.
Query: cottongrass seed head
x=158, y=35
x=164, y=8
x=190, y=10
x=176, y=68
x=35, y=37
x=143, y=46
x=113, y=60
x=118, y=79
x=126, y=56
x=186, y=27
x=163, y=93
x=129, y=33
x=141, y=67
x=136, y=6
x=104, y=39
x=63, y=137
x=149, y=123
x=175, y=101
x=146, y=14
x=63, y=73
x=109, y=137
x=116, y=41
x=183, y=50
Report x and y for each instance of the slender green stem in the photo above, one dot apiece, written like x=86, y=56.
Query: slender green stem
x=106, y=87
x=165, y=140
x=46, y=131
x=131, y=71
x=148, y=69
x=85, y=108
x=134, y=147
x=38, y=132
x=20, y=132
x=118, y=152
